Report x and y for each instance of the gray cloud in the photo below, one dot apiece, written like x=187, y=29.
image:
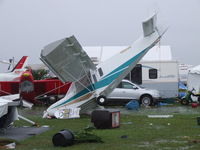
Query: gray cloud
x=27, y=26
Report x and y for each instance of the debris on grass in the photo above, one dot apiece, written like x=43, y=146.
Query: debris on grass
x=125, y=123
x=86, y=135
x=124, y=136
x=195, y=141
x=7, y=144
x=160, y=116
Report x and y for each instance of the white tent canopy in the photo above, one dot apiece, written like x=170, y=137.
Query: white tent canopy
x=193, y=81
x=195, y=69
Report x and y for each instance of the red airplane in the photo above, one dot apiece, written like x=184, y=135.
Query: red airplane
x=17, y=71
x=35, y=91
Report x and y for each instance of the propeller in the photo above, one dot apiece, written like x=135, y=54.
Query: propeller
x=10, y=63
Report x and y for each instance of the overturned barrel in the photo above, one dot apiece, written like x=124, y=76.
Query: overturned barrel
x=63, y=138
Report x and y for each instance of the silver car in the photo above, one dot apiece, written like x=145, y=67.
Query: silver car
x=127, y=91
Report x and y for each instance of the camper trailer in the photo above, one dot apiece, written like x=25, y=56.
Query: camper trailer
x=157, y=70
x=159, y=75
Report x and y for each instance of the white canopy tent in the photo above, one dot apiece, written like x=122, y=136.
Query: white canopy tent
x=193, y=80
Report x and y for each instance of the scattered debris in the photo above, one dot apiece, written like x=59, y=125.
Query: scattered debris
x=124, y=136
x=194, y=105
x=86, y=135
x=28, y=120
x=195, y=141
x=160, y=116
x=7, y=144
x=127, y=123
x=132, y=105
x=164, y=104
x=10, y=146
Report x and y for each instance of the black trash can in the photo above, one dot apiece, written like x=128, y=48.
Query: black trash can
x=63, y=138
x=106, y=118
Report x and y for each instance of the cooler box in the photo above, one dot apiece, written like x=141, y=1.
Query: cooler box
x=106, y=118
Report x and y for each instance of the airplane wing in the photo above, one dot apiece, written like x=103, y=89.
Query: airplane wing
x=67, y=59
x=8, y=110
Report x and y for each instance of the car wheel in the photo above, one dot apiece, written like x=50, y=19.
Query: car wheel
x=146, y=100
x=184, y=101
x=101, y=100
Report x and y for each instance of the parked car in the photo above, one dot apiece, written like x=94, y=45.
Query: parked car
x=127, y=91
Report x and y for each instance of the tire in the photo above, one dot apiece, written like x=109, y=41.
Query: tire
x=146, y=100
x=184, y=101
x=101, y=100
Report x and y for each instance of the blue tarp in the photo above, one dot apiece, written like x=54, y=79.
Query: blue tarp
x=132, y=105
x=181, y=86
x=182, y=90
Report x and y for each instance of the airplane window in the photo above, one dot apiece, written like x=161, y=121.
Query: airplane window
x=100, y=72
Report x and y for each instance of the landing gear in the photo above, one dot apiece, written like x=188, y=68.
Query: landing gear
x=101, y=100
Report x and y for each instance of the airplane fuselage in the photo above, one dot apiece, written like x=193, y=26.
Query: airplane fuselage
x=9, y=77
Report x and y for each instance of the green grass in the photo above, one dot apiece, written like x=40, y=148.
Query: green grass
x=142, y=133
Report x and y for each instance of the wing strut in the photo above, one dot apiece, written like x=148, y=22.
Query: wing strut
x=76, y=80
x=88, y=77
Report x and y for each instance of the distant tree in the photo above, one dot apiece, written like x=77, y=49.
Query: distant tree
x=40, y=74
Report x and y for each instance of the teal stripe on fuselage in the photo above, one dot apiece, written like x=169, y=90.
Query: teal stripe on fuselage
x=106, y=80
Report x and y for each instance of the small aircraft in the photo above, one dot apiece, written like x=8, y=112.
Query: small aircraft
x=17, y=71
x=69, y=62
x=46, y=91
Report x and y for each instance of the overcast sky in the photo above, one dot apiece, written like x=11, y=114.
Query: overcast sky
x=26, y=26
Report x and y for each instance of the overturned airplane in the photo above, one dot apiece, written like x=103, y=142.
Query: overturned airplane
x=90, y=83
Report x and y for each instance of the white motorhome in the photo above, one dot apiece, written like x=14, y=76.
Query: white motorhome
x=157, y=70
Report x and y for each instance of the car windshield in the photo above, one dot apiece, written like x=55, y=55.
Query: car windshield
x=128, y=85
x=140, y=86
x=132, y=85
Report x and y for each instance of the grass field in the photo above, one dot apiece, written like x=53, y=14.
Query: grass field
x=180, y=132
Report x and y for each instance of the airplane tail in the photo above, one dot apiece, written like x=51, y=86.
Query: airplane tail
x=150, y=26
x=21, y=65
